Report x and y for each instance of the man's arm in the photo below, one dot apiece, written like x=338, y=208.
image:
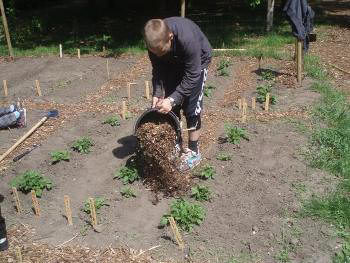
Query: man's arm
x=156, y=75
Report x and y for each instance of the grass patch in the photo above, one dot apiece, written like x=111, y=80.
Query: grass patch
x=313, y=68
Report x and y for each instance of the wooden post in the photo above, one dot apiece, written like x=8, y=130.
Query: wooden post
x=253, y=103
x=299, y=61
x=6, y=29
x=38, y=89
x=129, y=89
x=124, y=110
x=19, y=255
x=35, y=204
x=61, y=52
x=296, y=50
x=16, y=197
x=183, y=8
x=107, y=70
x=244, y=111
x=79, y=53
x=176, y=233
x=239, y=104
x=93, y=212
x=5, y=88
x=267, y=101
x=68, y=210
x=147, y=89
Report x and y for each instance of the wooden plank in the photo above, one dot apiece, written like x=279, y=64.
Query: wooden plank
x=68, y=210
x=176, y=233
x=5, y=88
x=38, y=89
x=7, y=33
x=35, y=204
x=17, y=201
x=93, y=212
x=299, y=61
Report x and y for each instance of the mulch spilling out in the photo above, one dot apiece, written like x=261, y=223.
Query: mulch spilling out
x=158, y=161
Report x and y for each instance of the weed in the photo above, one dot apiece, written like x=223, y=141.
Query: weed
x=223, y=157
x=31, y=180
x=208, y=90
x=207, y=172
x=185, y=214
x=58, y=156
x=313, y=68
x=262, y=90
x=235, y=134
x=127, y=192
x=113, y=121
x=201, y=193
x=283, y=256
x=99, y=202
x=83, y=145
x=128, y=175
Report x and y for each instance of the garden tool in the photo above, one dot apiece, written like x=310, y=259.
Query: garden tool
x=50, y=114
x=19, y=157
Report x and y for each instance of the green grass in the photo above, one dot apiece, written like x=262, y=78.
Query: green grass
x=343, y=256
x=313, y=68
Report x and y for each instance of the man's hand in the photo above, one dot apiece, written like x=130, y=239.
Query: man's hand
x=155, y=101
x=164, y=106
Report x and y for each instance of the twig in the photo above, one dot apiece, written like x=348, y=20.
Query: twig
x=147, y=250
x=65, y=242
x=335, y=66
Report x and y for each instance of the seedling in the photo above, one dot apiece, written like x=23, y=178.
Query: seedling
x=113, y=121
x=207, y=172
x=224, y=72
x=31, y=180
x=223, y=157
x=58, y=156
x=127, y=192
x=267, y=75
x=185, y=214
x=83, y=145
x=235, y=134
x=99, y=202
x=128, y=175
x=201, y=193
x=262, y=90
x=222, y=68
x=208, y=90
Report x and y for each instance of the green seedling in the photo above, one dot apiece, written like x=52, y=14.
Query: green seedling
x=223, y=157
x=113, y=121
x=283, y=256
x=235, y=134
x=127, y=192
x=201, y=193
x=58, y=156
x=83, y=145
x=262, y=90
x=185, y=214
x=207, y=172
x=222, y=67
x=99, y=202
x=267, y=75
x=128, y=175
x=31, y=180
x=208, y=90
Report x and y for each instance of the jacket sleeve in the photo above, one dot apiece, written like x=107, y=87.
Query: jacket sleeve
x=157, y=75
x=192, y=71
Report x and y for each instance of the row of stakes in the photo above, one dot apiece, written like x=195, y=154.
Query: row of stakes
x=93, y=214
x=243, y=105
x=124, y=107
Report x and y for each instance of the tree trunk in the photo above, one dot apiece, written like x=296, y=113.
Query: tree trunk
x=269, y=17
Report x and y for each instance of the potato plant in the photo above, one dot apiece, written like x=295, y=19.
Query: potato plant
x=83, y=145
x=208, y=90
x=113, y=121
x=127, y=192
x=207, y=172
x=127, y=175
x=223, y=157
x=99, y=202
x=201, y=193
x=235, y=134
x=57, y=156
x=262, y=90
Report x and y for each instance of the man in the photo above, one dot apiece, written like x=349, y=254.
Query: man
x=180, y=54
x=12, y=116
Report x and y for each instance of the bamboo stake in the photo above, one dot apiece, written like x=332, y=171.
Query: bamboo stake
x=19, y=255
x=239, y=104
x=299, y=62
x=147, y=89
x=93, y=212
x=5, y=88
x=244, y=112
x=61, y=53
x=68, y=210
x=124, y=110
x=108, y=70
x=38, y=89
x=253, y=103
x=6, y=29
x=35, y=204
x=267, y=101
x=183, y=8
x=176, y=233
x=78, y=53
x=16, y=197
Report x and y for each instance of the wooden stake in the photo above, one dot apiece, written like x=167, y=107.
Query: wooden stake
x=183, y=8
x=107, y=70
x=93, y=212
x=253, y=103
x=176, y=233
x=129, y=89
x=103, y=49
x=124, y=109
x=267, y=101
x=244, y=111
x=35, y=204
x=19, y=255
x=61, y=53
x=68, y=210
x=79, y=53
x=16, y=197
x=147, y=89
x=6, y=29
x=299, y=61
x=38, y=89
x=239, y=104
x=5, y=88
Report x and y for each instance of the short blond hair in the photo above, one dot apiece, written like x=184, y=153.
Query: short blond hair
x=156, y=33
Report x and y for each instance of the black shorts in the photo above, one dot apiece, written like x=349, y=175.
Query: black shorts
x=192, y=106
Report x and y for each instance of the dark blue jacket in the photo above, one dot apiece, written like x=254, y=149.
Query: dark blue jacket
x=190, y=53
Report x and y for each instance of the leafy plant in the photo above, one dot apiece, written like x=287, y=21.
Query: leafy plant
x=185, y=214
x=267, y=75
x=31, y=180
x=208, y=90
x=128, y=175
x=222, y=67
x=262, y=90
x=201, y=193
x=83, y=145
x=283, y=256
x=207, y=172
x=223, y=157
x=99, y=202
x=58, y=156
x=113, y=121
x=127, y=192
x=235, y=134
